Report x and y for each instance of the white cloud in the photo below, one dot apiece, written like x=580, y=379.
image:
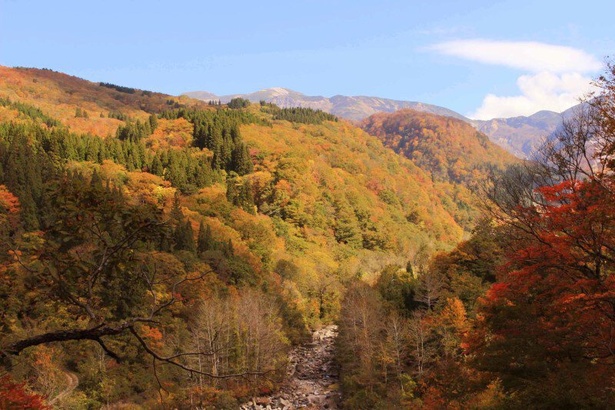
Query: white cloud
x=542, y=91
x=524, y=55
x=556, y=82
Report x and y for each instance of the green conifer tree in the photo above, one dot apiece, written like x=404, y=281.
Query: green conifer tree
x=184, y=237
x=205, y=241
x=156, y=167
x=153, y=122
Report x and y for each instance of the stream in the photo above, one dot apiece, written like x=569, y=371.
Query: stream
x=312, y=378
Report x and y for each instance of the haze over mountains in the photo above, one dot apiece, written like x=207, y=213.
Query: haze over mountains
x=522, y=135
x=519, y=135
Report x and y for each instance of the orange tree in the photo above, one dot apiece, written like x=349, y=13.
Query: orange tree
x=546, y=329
x=15, y=396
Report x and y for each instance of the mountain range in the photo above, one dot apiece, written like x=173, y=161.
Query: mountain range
x=163, y=252
x=353, y=108
x=519, y=135
x=522, y=135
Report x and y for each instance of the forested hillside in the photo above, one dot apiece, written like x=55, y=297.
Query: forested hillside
x=448, y=148
x=161, y=251
x=158, y=252
x=456, y=156
x=85, y=107
x=520, y=315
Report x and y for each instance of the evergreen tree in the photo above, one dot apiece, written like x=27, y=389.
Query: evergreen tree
x=237, y=103
x=96, y=181
x=184, y=237
x=347, y=229
x=157, y=168
x=205, y=241
x=227, y=250
x=176, y=211
x=153, y=122
x=241, y=162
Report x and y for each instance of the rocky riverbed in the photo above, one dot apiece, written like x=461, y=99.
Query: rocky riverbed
x=312, y=379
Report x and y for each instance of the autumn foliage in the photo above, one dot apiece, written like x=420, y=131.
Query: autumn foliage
x=168, y=254
x=15, y=396
x=455, y=155
x=545, y=330
x=547, y=327
x=522, y=315
x=172, y=252
x=448, y=148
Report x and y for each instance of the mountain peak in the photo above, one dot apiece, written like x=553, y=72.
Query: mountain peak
x=278, y=91
x=350, y=107
x=519, y=135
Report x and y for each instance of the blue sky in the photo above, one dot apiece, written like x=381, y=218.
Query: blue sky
x=480, y=58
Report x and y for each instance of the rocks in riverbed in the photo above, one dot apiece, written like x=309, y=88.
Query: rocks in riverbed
x=313, y=378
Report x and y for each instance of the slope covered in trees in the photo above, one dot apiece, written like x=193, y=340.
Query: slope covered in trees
x=173, y=254
x=450, y=149
x=453, y=153
x=521, y=315
x=84, y=106
x=170, y=254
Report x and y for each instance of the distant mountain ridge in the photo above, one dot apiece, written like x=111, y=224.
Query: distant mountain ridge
x=522, y=135
x=353, y=108
x=519, y=135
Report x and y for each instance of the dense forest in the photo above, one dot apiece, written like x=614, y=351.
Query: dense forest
x=520, y=315
x=456, y=156
x=174, y=259
x=158, y=252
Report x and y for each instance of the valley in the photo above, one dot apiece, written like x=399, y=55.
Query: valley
x=313, y=377
x=263, y=252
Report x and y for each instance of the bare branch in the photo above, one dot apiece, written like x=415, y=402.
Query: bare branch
x=94, y=333
x=109, y=352
x=171, y=361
